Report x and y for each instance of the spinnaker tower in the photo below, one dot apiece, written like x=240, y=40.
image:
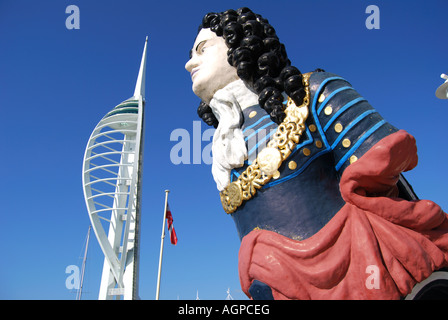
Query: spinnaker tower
x=112, y=178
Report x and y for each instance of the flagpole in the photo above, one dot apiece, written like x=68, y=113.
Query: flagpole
x=161, y=245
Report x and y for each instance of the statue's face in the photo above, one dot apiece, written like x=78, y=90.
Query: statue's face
x=208, y=65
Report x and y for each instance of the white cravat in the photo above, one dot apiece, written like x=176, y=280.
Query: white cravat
x=229, y=149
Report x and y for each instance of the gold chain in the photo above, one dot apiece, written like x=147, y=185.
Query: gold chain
x=270, y=158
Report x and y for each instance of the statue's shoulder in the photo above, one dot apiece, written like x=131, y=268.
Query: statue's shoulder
x=319, y=80
x=344, y=120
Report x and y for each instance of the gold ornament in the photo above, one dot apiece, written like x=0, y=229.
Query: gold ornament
x=231, y=197
x=270, y=158
x=292, y=165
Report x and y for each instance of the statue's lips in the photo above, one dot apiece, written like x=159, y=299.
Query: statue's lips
x=193, y=72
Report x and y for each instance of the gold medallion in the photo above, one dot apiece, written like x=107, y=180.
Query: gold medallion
x=269, y=160
x=231, y=197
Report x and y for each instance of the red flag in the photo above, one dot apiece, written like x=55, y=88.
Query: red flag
x=169, y=217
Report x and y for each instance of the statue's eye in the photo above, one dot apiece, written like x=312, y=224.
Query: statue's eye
x=201, y=46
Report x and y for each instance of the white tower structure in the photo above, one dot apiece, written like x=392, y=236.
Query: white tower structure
x=111, y=177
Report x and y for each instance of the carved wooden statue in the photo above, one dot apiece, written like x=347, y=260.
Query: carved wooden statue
x=311, y=174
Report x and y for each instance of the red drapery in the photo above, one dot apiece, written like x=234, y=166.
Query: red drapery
x=375, y=234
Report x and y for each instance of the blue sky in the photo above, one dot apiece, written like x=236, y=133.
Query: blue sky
x=56, y=84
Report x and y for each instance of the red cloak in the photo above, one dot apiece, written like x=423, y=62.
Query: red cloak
x=376, y=247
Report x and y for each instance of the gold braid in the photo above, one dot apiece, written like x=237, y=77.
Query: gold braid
x=270, y=158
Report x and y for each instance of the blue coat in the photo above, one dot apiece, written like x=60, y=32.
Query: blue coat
x=304, y=195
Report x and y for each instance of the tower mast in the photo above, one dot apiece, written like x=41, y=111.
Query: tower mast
x=140, y=84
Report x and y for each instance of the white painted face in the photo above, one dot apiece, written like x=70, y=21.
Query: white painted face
x=208, y=65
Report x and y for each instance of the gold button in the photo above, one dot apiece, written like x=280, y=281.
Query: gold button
x=321, y=98
x=346, y=143
x=328, y=110
x=252, y=114
x=353, y=159
x=319, y=144
x=292, y=165
x=312, y=128
x=276, y=175
x=306, y=151
x=338, y=127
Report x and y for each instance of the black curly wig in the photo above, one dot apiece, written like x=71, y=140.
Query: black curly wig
x=259, y=58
